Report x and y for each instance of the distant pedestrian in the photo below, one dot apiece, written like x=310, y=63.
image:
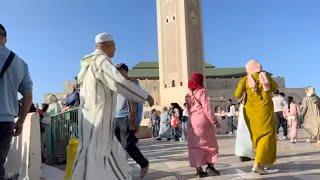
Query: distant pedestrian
x=73, y=99
x=44, y=127
x=155, y=123
x=184, y=122
x=202, y=141
x=231, y=115
x=14, y=78
x=280, y=104
x=311, y=115
x=54, y=106
x=221, y=117
x=291, y=114
x=176, y=115
x=165, y=127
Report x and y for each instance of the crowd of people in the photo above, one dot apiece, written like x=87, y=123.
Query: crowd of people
x=111, y=108
x=262, y=110
x=170, y=123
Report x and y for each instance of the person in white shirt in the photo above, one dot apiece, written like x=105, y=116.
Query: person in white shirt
x=279, y=104
x=184, y=123
x=231, y=114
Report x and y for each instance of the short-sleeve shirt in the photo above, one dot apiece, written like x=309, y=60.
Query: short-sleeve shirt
x=15, y=79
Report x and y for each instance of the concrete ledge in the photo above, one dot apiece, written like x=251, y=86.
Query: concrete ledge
x=24, y=158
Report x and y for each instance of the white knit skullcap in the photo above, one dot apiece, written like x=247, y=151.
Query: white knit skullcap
x=103, y=37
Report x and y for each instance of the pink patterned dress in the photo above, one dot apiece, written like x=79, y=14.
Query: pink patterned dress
x=202, y=141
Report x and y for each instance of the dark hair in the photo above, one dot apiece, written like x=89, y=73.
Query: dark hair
x=177, y=106
x=290, y=99
x=122, y=66
x=230, y=100
x=282, y=94
x=45, y=107
x=276, y=91
x=32, y=108
x=3, y=31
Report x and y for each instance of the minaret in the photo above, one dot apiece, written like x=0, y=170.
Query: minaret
x=180, y=45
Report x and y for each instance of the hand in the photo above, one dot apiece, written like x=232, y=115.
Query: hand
x=18, y=127
x=150, y=100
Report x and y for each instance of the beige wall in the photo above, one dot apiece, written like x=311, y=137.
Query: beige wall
x=297, y=93
x=231, y=83
x=60, y=96
x=152, y=87
x=217, y=89
x=67, y=88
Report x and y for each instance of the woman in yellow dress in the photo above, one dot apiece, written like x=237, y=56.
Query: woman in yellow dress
x=258, y=112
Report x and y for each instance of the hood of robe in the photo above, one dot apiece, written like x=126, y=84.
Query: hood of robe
x=87, y=61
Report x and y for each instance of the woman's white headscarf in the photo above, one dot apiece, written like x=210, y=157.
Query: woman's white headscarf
x=310, y=91
x=253, y=66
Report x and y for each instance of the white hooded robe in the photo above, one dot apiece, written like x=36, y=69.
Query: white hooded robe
x=100, y=155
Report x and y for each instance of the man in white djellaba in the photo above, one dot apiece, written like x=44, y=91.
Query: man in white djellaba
x=100, y=155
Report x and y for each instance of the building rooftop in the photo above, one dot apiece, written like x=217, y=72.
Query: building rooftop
x=150, y=69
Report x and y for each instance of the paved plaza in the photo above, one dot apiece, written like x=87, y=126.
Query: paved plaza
x=169, y=161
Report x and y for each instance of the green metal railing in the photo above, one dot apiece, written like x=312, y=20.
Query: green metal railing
x=63, y=127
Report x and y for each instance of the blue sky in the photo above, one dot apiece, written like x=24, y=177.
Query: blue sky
x=52, y=36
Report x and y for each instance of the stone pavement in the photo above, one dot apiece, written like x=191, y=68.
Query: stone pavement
x=169, y=161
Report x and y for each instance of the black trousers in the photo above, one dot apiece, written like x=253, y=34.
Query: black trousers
x=123, y=134
x=231, y=125
x=281, y=122
x=134, y=152
x=6, y=132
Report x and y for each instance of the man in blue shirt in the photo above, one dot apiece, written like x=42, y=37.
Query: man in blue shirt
x=127, y=121
x=14, y=78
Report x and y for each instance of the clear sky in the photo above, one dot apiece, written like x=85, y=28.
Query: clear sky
x=52, y=36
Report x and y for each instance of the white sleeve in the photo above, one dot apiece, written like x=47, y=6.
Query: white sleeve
x=112, y=78
x=284, y=102
x=233, y=110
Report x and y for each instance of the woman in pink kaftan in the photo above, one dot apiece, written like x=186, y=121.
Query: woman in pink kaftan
x=202, y=141
x=291, y=114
